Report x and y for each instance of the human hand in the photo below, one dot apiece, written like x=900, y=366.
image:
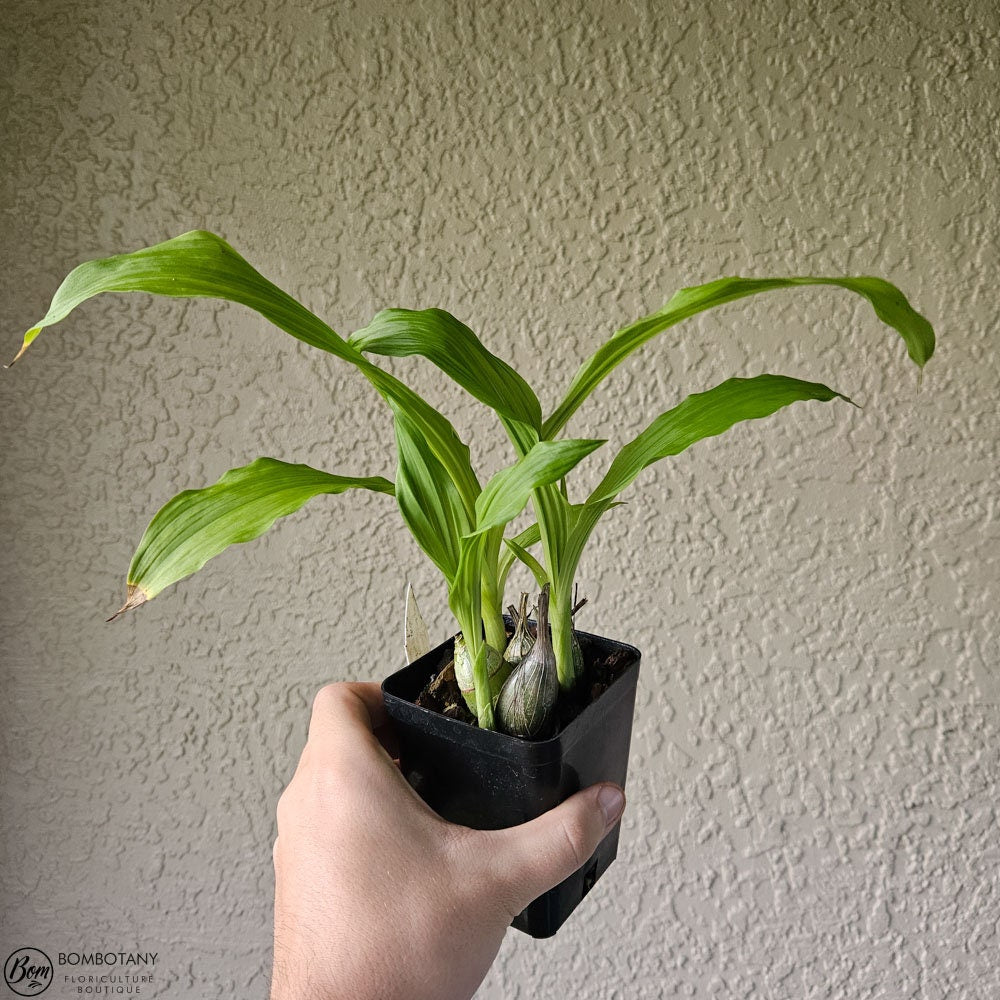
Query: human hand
x=376, y=896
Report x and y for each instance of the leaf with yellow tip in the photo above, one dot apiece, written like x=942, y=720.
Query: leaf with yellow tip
x=199, y=524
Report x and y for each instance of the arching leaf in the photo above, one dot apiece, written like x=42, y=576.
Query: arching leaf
x=458, y=352
x=887, y=300
x=507, y=493
x=199, y=524
x=202, y=265
x=705, y=414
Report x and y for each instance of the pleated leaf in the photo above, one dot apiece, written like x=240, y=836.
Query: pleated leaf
x=550, y=508
x=537, y=569
x=887, y=300
x=198, y=524
x=458, y=352
x=530, y=536
x=507, y=493
x=581, y=519
x=194, y=265
x=465, y=602
x=702, y=415
x=202, y=265
x=431, y=505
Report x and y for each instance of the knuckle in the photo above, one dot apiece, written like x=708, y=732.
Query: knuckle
x=326, y=697
x=283, y=808
x=574, y=832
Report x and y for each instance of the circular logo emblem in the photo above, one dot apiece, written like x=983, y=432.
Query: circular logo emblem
x=28, y=972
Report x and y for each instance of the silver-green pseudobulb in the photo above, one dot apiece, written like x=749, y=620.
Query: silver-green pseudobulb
x=528, y=699
x=521, y=641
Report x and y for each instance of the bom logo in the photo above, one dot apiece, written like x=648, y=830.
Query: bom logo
x=28, y=972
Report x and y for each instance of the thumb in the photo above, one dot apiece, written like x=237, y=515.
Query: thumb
x=537, y=855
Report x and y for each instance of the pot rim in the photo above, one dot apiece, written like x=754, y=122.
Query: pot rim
x=502, y=745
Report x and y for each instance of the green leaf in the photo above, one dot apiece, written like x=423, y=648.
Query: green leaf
x=705, y=414
x=194, y=265
x=888, y=301
x=507, y=493
x=439, y=487
x=550, y=507
x=436, y=433
x=202, y=265
x=530, y=536
x=576, y=522
x=428, y=499
x=537, y=570
x=581, y=519
x=465, y=601
x=458, y=352
x=199, y=524
x=564, y=529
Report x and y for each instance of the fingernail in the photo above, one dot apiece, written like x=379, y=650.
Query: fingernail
x=611, y=799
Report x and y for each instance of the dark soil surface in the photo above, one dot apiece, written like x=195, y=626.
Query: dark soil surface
x=442, y=693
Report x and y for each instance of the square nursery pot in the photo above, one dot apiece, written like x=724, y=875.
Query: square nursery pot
x=488, y=780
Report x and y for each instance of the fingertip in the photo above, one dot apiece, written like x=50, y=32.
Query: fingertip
x=611, y=800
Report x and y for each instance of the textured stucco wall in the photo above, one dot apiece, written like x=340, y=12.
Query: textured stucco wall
x=815, y=766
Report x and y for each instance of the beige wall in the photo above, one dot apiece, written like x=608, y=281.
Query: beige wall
x=814, y=766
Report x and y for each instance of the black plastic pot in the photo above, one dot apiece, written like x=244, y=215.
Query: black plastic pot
x=488, y=780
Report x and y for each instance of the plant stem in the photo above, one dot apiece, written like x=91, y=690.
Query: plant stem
x=492, y=598
x=550, y=523
x=561, y=621
x=484, y=701
x=496, y=629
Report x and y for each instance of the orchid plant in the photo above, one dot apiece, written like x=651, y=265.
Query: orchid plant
x=457, y=520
